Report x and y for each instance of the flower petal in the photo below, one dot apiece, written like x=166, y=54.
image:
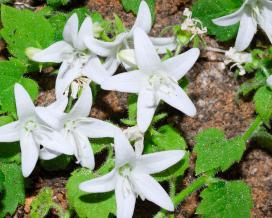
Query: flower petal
x=83, y=105
x=55, y=53
x=104, y=183
x=159, y=161
x=111, y=64
x=267, y=4
x=146, y=56
x=179, y=100
x=86, y=30
x=124, y=152
x=85, y=151
x=125, y=201
x=248, y=27
x=179, y=65
x=152, y=191
x=96, y=71
x=162, y=44
x=63, y=81
x=70, y=32
x=146, y=107
x=53, y=140
x=265, y=21
x=29, y=153
x=94, y=128
x=144, y=19
x=24, y=104
x=231, y=18
x=125, y=82
x=10, y=132
x=47, y=154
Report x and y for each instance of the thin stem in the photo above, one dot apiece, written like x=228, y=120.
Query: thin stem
x=265, y=71
x=252, y=129
x=178, y=50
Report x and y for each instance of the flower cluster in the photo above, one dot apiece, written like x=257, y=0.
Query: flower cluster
x=47, y=132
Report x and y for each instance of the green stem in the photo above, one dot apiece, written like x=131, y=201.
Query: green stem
x=178, y=50
x=265, y=71
x=253, y=128
x=197, y=184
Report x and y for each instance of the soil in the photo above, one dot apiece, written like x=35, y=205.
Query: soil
x=214, y=91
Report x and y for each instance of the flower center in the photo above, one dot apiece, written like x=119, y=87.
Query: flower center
x=162, y=82
x=70, y=125
x=255, y=8
x=30, y=125
x=125, y=172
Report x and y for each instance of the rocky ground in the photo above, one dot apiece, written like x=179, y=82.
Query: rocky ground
x=213, y=89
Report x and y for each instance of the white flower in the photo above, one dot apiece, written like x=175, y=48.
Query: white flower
x=238, y=58
x=31, y=132
x=192, y=25
x=251, y=14
x=135, y=135
x=131, y=178
x=76, y=128
x=71, y=52
x=124, y=40
x=155, y=80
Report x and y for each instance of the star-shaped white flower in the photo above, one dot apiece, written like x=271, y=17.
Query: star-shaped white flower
x=124, y=40
x=76, y=128
x=71, y=52
x=31, y=132
x=251, y=14
x=155, y=80
x=131, y=178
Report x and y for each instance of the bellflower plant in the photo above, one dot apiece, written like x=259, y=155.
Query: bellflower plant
x=131, y=178
x=32, y=132
x=124, y=40
x=71, y=52
x=76, y=127
x=251, y=14
x=155, y=80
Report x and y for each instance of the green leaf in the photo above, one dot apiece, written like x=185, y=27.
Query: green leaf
x=85, y=204
x=120, y=28
x=10, y=153
x=98, y=145
x=167, y=138
x=14, y=194
x=263, y=103
x=41, y=205
x=225, y=200
x=2, y=180
x=57, y=3
x=132, y=110
x=214, y=152
x=23, y=29
x=59, y=163
x=206, y=10
x=12, y=72
x=263, y=138
x=133, y=5
x=253, y=84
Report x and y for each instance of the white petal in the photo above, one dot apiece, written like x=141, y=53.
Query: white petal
x=144, y=19
x=83, y=105
x=248, y=27
x=94, y=128
x=163, y=44
x=179, y=100
x=146, y=56
x=29, y=153
x=127, y=57
x=111, y=64
x=85, y=151
x=53, y=140
x=267, y=3
x=59, y=104
x=10, y=132
x=96, y=71
x=231, y=18
x=104, y=183
x=152, y=191
x=179, y=65
x=159, y=161
x=125, y=82
x=47, y=154
x=24, y=104
x=146, y=107
x=125, y=201
x=124, y=152
x=70, y=32
x=265, y=22
x=86, y=30
x=55, y=53
x=63, y=81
